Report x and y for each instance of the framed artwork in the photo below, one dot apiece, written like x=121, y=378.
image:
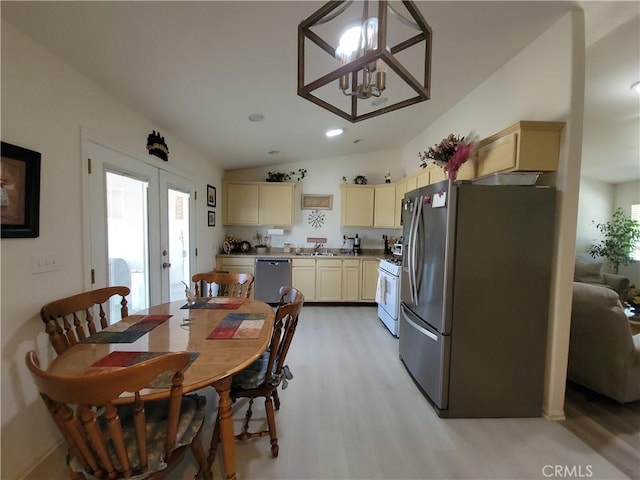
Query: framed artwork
x=317, y=202
x=19, y=192
x=211, y=219
x=211, y=196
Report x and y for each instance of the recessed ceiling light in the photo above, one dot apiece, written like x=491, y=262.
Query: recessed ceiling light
x=334, y=132
x=256, y=117
x=636, y=87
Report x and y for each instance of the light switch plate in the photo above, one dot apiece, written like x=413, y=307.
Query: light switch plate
x=44, y=262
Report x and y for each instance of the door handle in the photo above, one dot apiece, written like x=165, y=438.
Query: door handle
x=166, y=265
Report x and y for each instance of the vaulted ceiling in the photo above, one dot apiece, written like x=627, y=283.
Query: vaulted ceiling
x=199, y=69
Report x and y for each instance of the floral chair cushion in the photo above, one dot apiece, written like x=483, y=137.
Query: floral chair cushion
x=192, y=412
x=254, y=375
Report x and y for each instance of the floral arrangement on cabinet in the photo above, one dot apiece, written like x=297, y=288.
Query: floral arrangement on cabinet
x=450, y=153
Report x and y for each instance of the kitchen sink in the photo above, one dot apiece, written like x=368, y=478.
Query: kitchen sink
x=317, y=254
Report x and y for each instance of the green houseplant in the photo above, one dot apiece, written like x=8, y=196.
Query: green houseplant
x=621, y=235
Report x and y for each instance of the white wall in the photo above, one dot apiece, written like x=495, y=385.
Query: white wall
x=324, y=177
x=595, y=206
x=545, y=81
x=45, y=104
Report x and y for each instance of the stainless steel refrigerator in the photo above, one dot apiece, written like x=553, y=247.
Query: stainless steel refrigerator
x=475, y=296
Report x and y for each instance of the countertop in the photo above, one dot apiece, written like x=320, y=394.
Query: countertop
x=371, y=254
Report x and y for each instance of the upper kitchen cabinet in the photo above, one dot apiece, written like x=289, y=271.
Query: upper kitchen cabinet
x=258, y=203
x=384, y=206
x=356, y=205
x=525, y=146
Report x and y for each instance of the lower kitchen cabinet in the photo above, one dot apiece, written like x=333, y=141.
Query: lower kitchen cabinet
x=350, y=280
x=237, y=265
x=303, y=277
x=328, y=280
x=369, y=280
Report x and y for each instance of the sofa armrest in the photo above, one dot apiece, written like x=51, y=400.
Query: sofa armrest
x=618, y=282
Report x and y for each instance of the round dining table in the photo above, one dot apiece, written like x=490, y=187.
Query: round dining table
x=218, y=353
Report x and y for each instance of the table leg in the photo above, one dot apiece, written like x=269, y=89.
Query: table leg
x=225, y=421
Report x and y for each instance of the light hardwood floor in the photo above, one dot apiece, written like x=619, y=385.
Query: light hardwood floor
x=353, y=412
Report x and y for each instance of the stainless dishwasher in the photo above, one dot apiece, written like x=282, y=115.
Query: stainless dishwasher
x=271, y=274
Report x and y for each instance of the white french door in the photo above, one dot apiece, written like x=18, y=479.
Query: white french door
x=141, y=226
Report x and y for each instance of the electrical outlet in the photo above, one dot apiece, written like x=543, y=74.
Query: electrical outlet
x=44, y=262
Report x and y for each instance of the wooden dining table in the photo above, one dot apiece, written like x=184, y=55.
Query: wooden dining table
x=215, y=361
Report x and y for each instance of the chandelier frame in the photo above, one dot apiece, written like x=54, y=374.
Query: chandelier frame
x=422, y=89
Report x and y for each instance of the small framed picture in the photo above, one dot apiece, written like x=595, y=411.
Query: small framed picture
x=211, y=219
x=211, y=196
x=20, y=192
x=317, y=202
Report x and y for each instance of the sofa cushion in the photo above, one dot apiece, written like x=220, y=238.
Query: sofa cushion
x=588, y=273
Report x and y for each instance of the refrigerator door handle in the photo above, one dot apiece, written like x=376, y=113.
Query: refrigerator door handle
x=416, y=226
x=411, y=252
x=420, y=329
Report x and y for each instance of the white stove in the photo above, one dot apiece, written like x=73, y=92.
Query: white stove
x=391, y=265
x=388, y=292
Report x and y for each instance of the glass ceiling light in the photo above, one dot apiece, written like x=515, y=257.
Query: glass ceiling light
x=363, y=55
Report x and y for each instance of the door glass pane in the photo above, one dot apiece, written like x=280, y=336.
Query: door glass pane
x=127, y=237
x=179, y=243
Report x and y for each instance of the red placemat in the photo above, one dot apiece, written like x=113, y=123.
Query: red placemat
x=239, y=326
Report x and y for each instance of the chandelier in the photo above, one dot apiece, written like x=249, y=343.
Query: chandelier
x=363, y=68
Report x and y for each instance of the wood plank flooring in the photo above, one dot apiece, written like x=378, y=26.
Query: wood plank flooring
x=353, y=412
x=610, y=428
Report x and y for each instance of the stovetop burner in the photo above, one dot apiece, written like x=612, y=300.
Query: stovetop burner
x=391, y=265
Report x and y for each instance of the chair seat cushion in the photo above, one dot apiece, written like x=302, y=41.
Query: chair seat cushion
x=192, y=412
x=254, y=375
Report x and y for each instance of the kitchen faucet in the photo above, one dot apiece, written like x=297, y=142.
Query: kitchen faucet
x=317, y=247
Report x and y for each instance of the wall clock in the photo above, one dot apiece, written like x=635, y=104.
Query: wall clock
x=316, y=219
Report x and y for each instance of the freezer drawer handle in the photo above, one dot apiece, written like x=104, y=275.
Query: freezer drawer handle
x=421, y=329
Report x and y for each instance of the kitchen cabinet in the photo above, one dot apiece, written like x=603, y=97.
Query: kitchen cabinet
x=236, y=264
x=350, y=280
x=401, y=189
x=524, y=146
x=369, y=280
x=303, y=276
x=328, y=280
x=357, y=205
x=384, y=211
x=258, y=203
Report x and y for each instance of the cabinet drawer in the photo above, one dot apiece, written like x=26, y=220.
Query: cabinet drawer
x=352, y=262
x=244, y=262
x=329, y=263
x=304, y=262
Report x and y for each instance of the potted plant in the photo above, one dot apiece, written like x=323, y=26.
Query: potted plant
x=621, y=236
x=286, y=176
x=261, y=242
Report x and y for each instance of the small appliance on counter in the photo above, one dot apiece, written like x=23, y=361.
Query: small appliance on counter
x=356, y=245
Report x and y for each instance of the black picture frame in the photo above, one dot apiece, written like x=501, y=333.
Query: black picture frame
x=20, y=194
x=211, y=196
x=211, y=219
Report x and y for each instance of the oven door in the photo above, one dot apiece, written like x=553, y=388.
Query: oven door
x=387, y=293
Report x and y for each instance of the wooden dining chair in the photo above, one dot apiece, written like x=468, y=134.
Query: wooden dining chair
x=223, y=284
x=142, y=439
x=71, y=319
x=263, y=377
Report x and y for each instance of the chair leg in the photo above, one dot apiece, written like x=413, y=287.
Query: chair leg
x=276, y=399
x=204, y=467
x=215, y=439
x=271, y=420
x=245, y=435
